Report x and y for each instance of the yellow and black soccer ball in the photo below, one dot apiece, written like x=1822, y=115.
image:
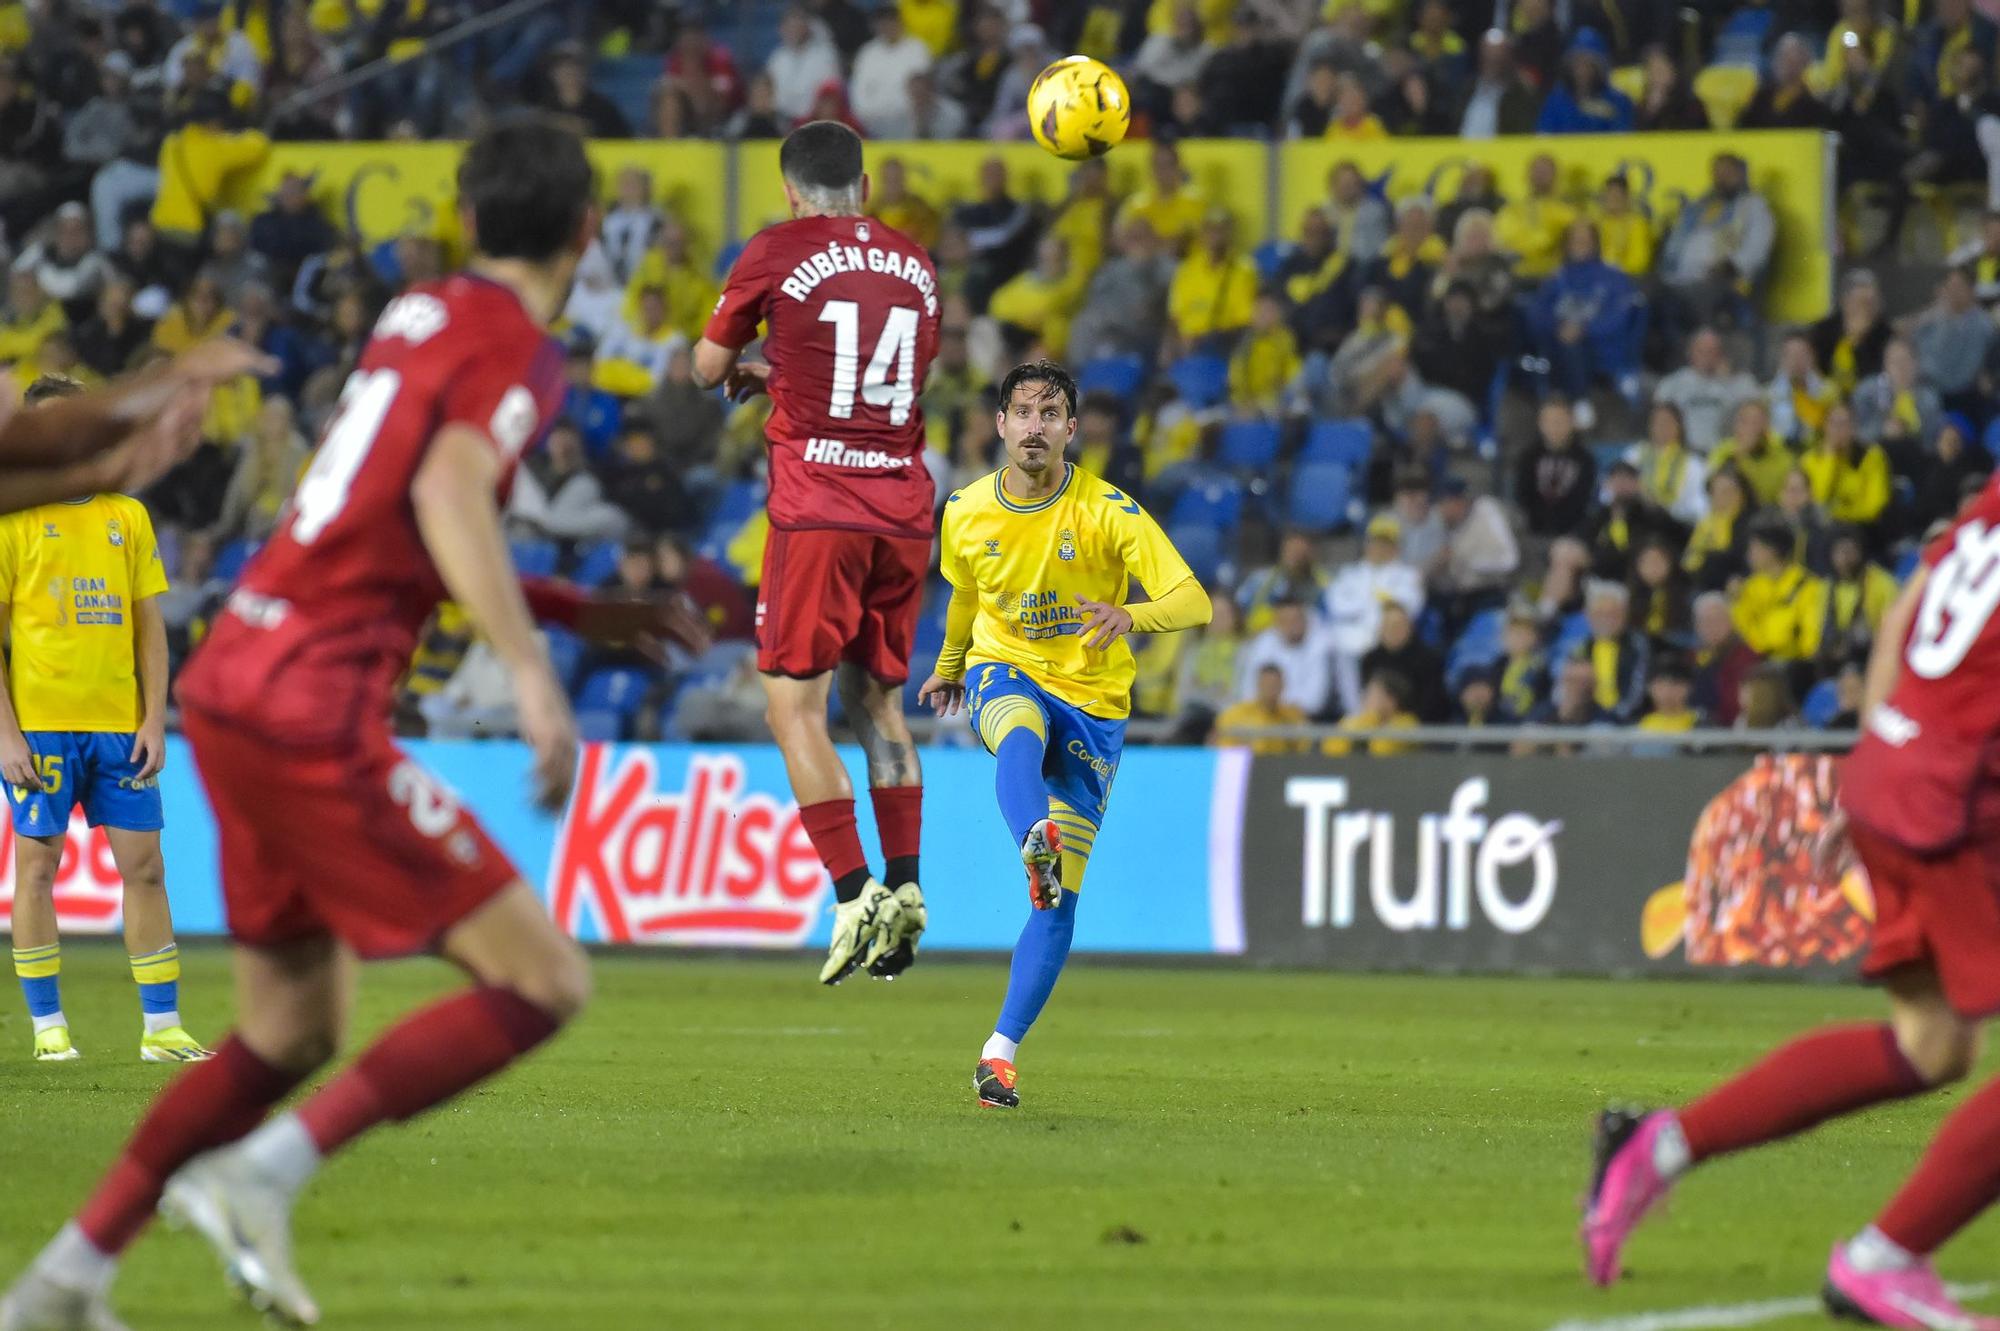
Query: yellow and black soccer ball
x=1078, y=108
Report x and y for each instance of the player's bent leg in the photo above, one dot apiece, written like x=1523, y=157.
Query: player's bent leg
x=895, y=780
x=37, y=947
x=149, y=943
x=289, y=994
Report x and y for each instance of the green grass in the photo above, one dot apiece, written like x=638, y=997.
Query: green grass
x=723, y=1144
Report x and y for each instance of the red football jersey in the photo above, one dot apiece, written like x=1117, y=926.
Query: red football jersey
x=852, y=310
x=327, y=614
x=1927, y=769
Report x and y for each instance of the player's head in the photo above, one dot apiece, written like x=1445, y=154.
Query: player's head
x=51, y=386
x=821, y=164
x=1037, y=417
x=1270, y=685
x=526, y=192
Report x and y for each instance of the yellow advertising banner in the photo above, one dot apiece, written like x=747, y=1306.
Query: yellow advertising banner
x=1788, y=167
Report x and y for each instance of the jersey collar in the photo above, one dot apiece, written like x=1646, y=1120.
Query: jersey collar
x=1015, y=506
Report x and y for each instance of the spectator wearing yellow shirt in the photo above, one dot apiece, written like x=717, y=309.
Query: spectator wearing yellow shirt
x=1215, y=16
x=1625, y=235
x=1754, y=450
x=1265, y=362
x=894, y=204
x=197, y=162
x=1532, y=227
x=196, y=317
x=1714, y=551
x=1215, y=287
x=1169, y=205
x=1670, y=692
x=29, y=318
x=1085, y=216
x=932, y=22
x=1267, y=708
x=1352, y=121
x=1385, y=705
x=1859, y=26
x=1858, y=594
x=1040, y=301
x=1850, y=476
x=671, y=265
x=1780, y=609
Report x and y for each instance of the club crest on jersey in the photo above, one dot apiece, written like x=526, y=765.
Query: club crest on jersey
x=1066, y=551
x=111, y=531
x=861, y=232
x=992, y=547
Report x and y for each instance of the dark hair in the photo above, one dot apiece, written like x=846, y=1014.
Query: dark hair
x=528, y=186
x=52, y=386
x=1673, y=665
x=822, y=154
x=1396, y=685
x=1053, y=378
x=1773, y=531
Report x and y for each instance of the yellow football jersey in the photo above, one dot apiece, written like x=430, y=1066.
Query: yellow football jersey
x=71, y=575
x=1029, y=563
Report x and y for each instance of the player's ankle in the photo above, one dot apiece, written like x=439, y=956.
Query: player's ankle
x=73, y=1261
x=283, y=1150
x=1000, y=1047
x=161, y=1021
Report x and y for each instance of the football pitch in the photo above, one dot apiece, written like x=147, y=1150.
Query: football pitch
x=723, y=1144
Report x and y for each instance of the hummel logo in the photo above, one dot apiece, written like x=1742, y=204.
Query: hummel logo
x=49, y=530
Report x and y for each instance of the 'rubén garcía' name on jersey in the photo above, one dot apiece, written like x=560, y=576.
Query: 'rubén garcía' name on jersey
x=1045, y=615
x=837, y=258
x=91, y=603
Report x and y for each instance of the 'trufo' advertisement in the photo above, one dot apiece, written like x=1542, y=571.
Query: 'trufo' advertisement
x=1587, y=865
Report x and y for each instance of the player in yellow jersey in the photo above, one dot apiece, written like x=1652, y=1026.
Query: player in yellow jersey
x=1041, y=556
x=83, y=721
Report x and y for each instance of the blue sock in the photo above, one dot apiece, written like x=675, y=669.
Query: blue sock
x=1038, y=961
x=40, y=972
x=1024, y=800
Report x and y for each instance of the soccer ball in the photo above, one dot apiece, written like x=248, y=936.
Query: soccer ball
x=1078, y=108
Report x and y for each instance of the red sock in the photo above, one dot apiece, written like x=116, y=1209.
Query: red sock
x=1958, y=1177
x=210, y=1104
x=1830, y=1072
x=424, y=1060
x=830, y=824
x=899, y=817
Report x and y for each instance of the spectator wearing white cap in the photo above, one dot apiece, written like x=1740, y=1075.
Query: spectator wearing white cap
x=805, y=59
x=64, y=261
x=880, y=88
x=1353, y=603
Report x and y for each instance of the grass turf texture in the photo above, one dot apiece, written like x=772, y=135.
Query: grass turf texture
x=724, y=1144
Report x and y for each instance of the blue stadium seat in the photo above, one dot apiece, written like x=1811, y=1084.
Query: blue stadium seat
x=1200, y=545
x=1120, y=376
x=1480, y=644
x=628, y=82
x=1992, y=437
x=1348, y=442
x=1572, y=633
x=1212, y=501
x=598, y=725
x=565, y=654
x=231, y=558
x=1202, y=380
x=616, y=689
x=726, y=258
x=1741, y=40
x=1251, y=444
x=535, y=559
x=1907, y=565
x=597, y=564
x=1821, y=705
x=1269, y=257
x=1319, y=496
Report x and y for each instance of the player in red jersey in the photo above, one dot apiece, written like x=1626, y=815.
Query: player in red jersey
x=851, y=315
x=332, y=840
x=1921, y=793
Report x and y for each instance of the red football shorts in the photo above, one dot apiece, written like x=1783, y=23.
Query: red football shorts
x=832, y=596
x=360, y=843
x=1942, y=909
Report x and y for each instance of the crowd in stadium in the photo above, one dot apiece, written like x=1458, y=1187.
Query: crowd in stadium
x=1524, y=452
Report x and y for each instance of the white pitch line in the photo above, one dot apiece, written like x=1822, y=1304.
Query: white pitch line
x=1719, y=1316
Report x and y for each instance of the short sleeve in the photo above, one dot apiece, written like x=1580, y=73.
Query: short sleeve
x=498, y=393
x=745, y=297
x=10, y=552
x=1149, y=556
x=951, y=559
x=142, y=554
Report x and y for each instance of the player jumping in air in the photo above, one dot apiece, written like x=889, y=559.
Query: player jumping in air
x=1040, y=556
x=850, y=309
x=1921, y=793
x=83, y=720
x=332, y=840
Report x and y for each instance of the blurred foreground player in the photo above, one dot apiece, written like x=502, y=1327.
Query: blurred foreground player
x=1041, y=556
x=1921, y=793
x=83, y=721
x=851, y=311
x=333, y=840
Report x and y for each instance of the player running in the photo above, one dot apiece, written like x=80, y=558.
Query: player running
x=332, y=839
x=83, y=720
x=851, y=314
x=1040, y=556
x=1921, y=793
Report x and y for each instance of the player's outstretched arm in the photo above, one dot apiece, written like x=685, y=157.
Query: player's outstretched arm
x=944, y=691
x=67, y=431
x=460, y=524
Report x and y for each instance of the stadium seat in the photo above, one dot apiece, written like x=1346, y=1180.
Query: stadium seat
x=1821, y=705
x=628, y=82
x=1346, y=442
x=1725, y=90
x=1907, y=565
x=726, y=258
x=1201, y=546
x=1119, y=376
x=1319, y=496
x=231, y=558
x=1251, y=444
x=1571, y=634
x=597, y=725
x=1269, y=257
x=1201, y=380
x=565, y=654
x=1743, y=35
x=535, y=559
x=597, y=564
x=1212, y=501
x=1480, y=643
x=616, y=689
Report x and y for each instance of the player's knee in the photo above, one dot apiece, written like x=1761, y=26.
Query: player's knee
x=1942, y=1046
x=559, y=983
